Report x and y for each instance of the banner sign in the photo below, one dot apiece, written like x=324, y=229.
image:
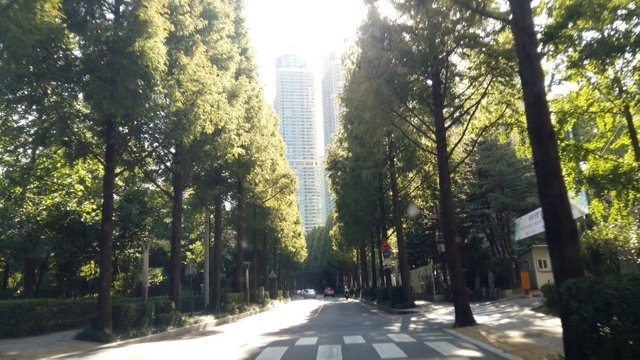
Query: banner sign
x=532, y=223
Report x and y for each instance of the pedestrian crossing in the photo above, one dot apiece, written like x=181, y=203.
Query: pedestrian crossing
x=374, y=346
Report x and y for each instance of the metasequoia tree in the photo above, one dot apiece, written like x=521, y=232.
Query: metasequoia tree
x=439, y=80
x=560, y=228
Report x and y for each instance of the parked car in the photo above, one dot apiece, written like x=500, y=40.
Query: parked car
x=328, y=291
x=309, y=294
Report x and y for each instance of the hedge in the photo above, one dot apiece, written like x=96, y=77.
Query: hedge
x=27, y=317
x=606, y=314
x=391, y=296
x=38, y=316
x=550, y=298
x=233, y=303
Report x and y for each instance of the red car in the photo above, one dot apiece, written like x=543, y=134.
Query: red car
x=328, y=291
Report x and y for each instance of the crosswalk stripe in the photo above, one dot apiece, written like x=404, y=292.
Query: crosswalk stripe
x=401, y=338
x=272, y=353
x=438, y=337
x=307, y=341
x=447, y=349
x=355, y=339
x=329, y=352
x=389, y=350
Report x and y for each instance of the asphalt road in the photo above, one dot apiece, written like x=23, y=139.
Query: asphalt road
x=322, y=329
x=345, y=329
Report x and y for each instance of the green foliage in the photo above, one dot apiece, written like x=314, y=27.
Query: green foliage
x=606, y=246
x=234, y=303
x=392, y=297
x=129, y=315
x=604, y=312
x=550, y=296
x=133, y=317
x=38, y=316
x=168, y=320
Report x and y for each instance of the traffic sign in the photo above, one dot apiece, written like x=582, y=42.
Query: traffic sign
x=385, y=246
x=386, y=253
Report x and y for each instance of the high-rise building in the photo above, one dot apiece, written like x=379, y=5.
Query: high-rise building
x=294, y=105
x=332, y=85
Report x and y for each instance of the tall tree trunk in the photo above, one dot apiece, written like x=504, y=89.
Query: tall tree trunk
x=265, y=261
x=254, y=253
x=105, y=322
x=464, y=316
x=217, y=242
x=628, y=117
x=5, y=276
x=29, y=277
x=207, y=255
x=363, y=263
x=560, y=228
x=372, y=243
x=395, y=201
x=240, y=240
x=44, y=265
x=383, y=228
x=633, y=134
x=175, y=263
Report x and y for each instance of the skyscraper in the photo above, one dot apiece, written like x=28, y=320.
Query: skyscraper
x=332, y=85
x=295, y=107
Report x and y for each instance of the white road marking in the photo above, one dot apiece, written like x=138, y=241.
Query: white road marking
x=389, y=350
x=447, y=349
x=272, y=353
x=329, y=352
x=307, y=341
x=401, y=338
x=355, y=339
x=443, y=337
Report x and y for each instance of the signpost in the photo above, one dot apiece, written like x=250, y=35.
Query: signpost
x=386, y=250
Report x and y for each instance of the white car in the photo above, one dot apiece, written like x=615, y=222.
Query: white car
x=309, y=294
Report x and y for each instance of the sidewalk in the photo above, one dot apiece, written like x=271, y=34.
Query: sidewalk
x=509, y=325
x=62, y=343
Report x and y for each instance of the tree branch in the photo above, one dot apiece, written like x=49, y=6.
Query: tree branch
x=501, y=17
x=414, y=126
x=477, y=139
x=413, y=141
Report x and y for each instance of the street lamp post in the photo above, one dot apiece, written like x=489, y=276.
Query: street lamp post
x=246, y=271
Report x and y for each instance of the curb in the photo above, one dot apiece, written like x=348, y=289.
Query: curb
x=388, y=309
x=490, y=348
x=165, y=335
x=485, y=346
x=207, y=325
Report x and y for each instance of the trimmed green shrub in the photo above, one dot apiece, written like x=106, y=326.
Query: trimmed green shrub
x=233, y=303
x=168, y=320
x=551, y=300
x=606, y=315
x=129, y=314
x=369, y=293
x=186, y=300
x=163, y=305
x=382, y=295
x=262, y=297
x=37, y=316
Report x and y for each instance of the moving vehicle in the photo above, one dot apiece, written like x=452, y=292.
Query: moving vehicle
x=328, y=291
x=309, y=294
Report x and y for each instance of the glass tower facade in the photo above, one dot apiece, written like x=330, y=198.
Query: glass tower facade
x=294, y=105
x=332, y=85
